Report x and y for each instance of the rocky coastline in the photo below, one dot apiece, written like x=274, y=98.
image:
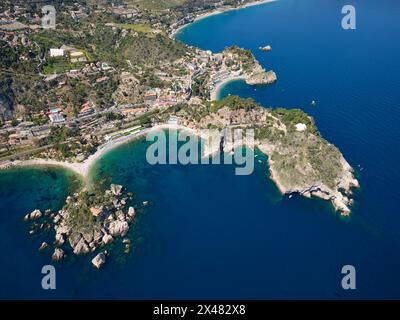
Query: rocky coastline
x=299, y=162
x=260, y=76
x=338, y=195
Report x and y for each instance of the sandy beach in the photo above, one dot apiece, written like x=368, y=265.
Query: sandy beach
x=83, y=168
x=80, y=168
x=219, y=11
x=218, y=86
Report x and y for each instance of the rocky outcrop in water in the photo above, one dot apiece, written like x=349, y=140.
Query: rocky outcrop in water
x=87, y=222
x=36, y=214
x=58, y=254
x=99, y=260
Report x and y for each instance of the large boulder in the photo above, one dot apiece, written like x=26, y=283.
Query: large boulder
x=59, y=239
x=81, y=247
x=62, y=229
x=88, y=236
x=36, y=214
x=58, y=254
x=116, y=189
x=99, y=260
x=57, y=219
x=131, y=212
x=107, y=239
x=118, y=228
x=97, y=235
x=121, y=215
x=74, y=238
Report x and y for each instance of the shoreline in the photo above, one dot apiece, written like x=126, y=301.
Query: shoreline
x=214, y=12
x=82, y=169
x=338, y=199
x=215, y=92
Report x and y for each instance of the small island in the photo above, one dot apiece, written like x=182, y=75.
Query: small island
x=266, y=48
x=88, y=223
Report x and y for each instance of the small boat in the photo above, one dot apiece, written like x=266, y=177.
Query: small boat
x=290, y=196
x=313, y=103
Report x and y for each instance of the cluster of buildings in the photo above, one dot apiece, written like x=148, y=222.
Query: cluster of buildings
x=124, y=11
x=220, y=66
x=73, y=54
x=161, y=97
x=129, y=110
x=77, y=11
x=15, y=33
x=26, y=131
x=56, y=115
x=87, y=109
x=25, y=134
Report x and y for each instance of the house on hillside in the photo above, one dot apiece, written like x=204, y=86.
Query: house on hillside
x=56, y=53
x=56, y=116
x=86, y=109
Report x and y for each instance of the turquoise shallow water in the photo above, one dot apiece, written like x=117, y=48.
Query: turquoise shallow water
x=211, y=234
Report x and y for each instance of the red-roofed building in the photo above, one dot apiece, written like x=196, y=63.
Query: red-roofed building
x=86, y=109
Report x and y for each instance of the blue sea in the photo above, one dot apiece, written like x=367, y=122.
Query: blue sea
x=209, y=234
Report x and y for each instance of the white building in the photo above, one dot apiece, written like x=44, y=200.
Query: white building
x=301, y=127
x=56, y=118
x=56, y=52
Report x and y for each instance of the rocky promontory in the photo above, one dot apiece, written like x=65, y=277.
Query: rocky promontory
x=300, y=160
x=261, y=76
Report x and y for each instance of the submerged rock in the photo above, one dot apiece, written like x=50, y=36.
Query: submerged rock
x=43, y=246
x=127, y=248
